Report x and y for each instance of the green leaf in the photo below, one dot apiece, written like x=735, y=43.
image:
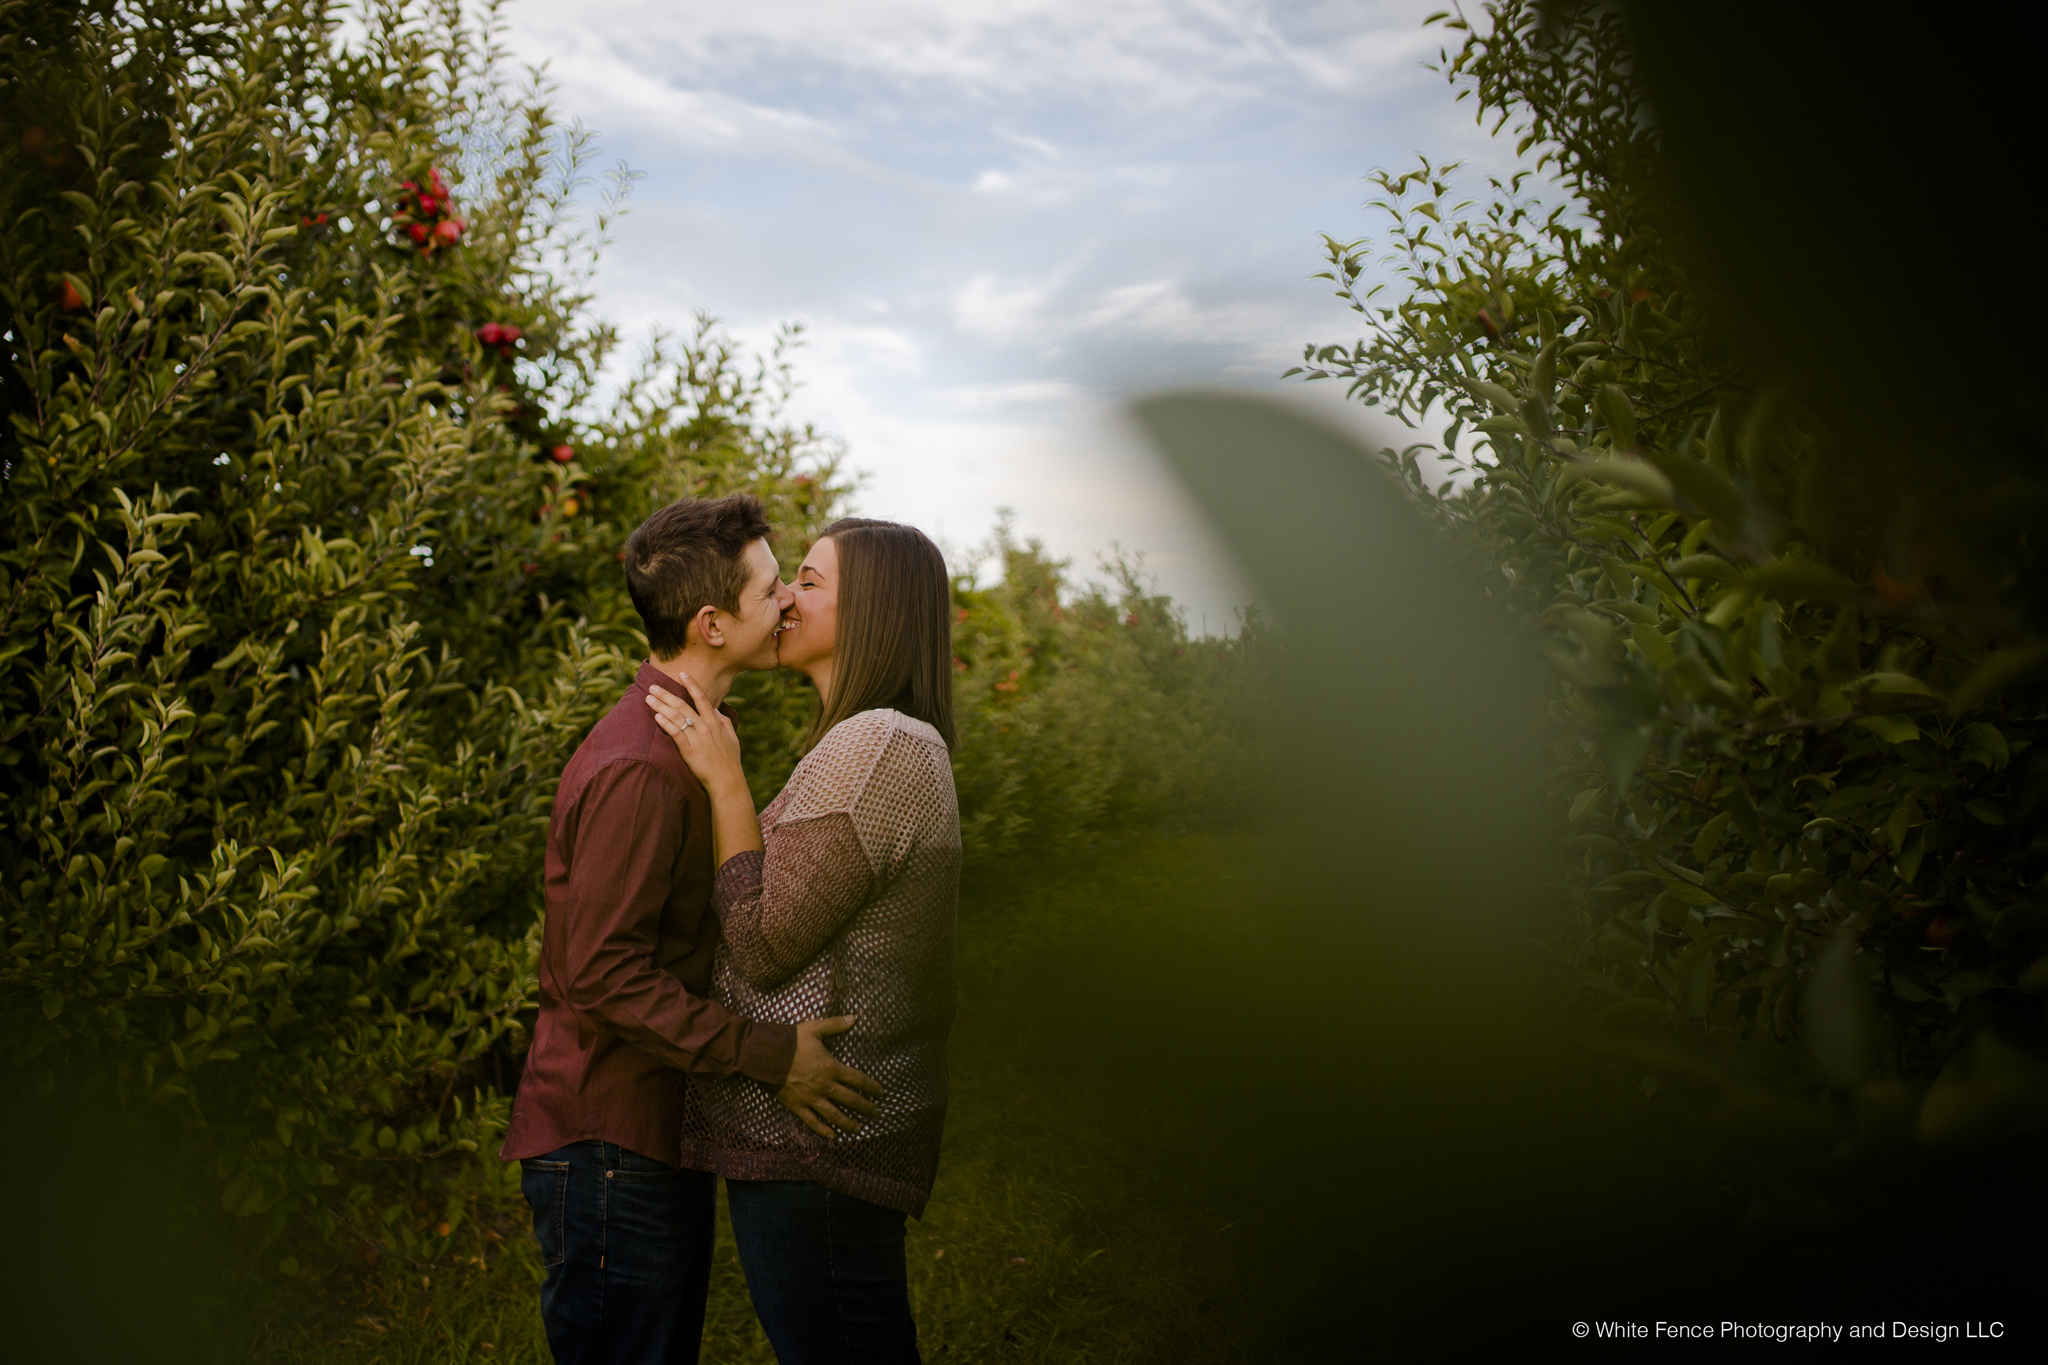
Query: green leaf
x=1897, y=683
x=1543, y=373
x=1902, y=816
x=1729, y=604
x=1744, y=811
x=1630, y=476
x=1583, y=803
x=1618, y=413
x=1981, y=810
x=1709, y=838
x=1986, y=745
x=1891, y=729
x=1654, y=646
x=1499, y=398
x=1705, y=566
x=1908, y=864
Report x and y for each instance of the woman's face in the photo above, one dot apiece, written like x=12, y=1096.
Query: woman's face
x=809, y=624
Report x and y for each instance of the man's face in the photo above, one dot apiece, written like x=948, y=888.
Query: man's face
x=750, y=633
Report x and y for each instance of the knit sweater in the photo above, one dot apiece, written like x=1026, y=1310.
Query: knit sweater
x=848, y=909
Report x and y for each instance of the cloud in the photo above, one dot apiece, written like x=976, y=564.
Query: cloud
x=984, y=307
x=1049, y=315
x=1154, y=308
x=1174, y=53
x=1024, y=393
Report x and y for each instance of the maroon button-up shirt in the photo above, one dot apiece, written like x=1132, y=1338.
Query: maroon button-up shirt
x=626, y=951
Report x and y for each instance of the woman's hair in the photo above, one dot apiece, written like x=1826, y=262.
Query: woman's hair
x=893, y=645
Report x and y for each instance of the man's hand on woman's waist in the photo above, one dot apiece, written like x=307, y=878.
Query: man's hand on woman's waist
x=820, y=1089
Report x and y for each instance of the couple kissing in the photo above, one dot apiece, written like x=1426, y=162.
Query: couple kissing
x=696, y=956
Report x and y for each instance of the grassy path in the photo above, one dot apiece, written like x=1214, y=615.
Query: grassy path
x=1046, y=1240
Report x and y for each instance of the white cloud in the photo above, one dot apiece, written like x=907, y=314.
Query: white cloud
x=1169, y=52
x=985, y=307
x=1049, y=315
x=1035, y=393
x=1155, y=308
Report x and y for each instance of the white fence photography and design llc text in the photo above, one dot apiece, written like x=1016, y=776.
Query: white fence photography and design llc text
x=1782, y=1331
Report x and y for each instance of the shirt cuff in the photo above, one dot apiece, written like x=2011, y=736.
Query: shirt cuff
x=768, y=1052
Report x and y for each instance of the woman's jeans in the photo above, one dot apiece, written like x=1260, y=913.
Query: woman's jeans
x=627, y=1245
x=826, y=1273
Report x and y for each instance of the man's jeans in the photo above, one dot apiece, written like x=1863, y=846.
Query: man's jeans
x=627, y=1245
x=826, y=1273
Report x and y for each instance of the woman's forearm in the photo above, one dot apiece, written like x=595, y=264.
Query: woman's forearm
x=735, y=829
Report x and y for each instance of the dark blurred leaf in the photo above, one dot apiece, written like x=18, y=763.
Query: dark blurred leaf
x=1837, y=1007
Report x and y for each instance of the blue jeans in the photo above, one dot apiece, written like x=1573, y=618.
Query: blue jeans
x=627, y=1245
x=826, y=1273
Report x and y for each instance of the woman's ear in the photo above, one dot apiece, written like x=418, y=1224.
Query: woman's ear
x=705, y=625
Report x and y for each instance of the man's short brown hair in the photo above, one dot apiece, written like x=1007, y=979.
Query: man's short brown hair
x=688, y=556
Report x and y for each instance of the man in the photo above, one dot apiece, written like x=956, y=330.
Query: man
x=626, y=955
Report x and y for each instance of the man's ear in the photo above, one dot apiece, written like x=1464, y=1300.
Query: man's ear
x=706, y=625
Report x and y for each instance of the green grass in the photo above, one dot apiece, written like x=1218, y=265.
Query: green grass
x=1049, y=1236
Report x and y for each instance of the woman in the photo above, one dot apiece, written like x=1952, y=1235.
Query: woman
x=838, y=900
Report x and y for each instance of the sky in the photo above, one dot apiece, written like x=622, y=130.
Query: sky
x=1002, y=220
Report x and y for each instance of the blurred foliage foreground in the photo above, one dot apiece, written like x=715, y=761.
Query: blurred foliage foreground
x=1789, y=585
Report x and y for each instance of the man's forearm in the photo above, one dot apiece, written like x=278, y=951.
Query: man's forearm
x=656, y=1014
